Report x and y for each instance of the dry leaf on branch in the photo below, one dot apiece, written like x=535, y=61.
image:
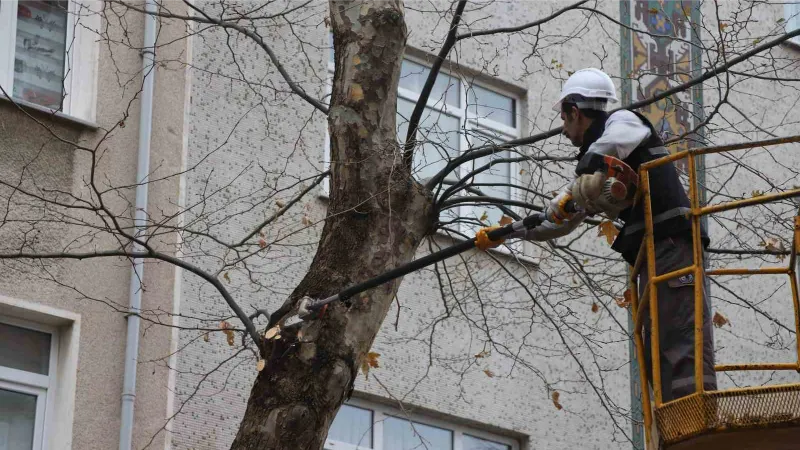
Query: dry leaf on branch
x=229, y=334
x=720, y=320
x=488, y=373
x=595, y=307
x=227, y=277
x=482, y=354
x=607, y=229
x=774, y=245
x=262, y=243
x=280, y=204
x=626, y=300
x=505, y=220
x=370, y=360
x=555, y=396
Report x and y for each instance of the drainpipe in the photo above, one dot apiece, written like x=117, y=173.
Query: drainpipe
x=139, y=222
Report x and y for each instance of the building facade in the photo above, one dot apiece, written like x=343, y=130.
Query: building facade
x=70, y=139
x=509, y=354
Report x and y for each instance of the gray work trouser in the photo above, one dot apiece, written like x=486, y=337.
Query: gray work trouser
x=676, y=322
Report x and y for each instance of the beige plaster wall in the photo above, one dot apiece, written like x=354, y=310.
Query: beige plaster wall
x=98, y=289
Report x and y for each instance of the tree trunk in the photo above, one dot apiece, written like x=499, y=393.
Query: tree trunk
x=377, y=218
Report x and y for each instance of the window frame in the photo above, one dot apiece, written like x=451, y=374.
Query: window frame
x=339, y=445
x=469, y=126
x=381, y=412
x=41, y=400
x=791, y=12
x=42, y=386
x=80, y=61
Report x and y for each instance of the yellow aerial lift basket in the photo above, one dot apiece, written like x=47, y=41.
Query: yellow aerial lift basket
x=763, y=417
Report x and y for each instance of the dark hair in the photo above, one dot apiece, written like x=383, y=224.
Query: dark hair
x=572, y=100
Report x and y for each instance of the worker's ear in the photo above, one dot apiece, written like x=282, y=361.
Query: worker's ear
x=573, y=113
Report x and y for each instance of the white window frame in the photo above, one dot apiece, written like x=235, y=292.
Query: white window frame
x=468, y=126
x=80, y=65
x=381, y=412
x=792, y=16
x=66, y=325
x=42, y=386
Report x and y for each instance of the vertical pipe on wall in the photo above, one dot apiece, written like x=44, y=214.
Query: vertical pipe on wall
x=140, y=218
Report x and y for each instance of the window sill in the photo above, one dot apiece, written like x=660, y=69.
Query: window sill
x=50, y=113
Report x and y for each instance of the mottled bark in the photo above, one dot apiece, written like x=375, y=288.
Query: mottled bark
x=378, y=216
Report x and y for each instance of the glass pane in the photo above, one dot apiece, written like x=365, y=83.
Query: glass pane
x=399, y=434
x=40, y=52
x=445, y=90
x=438, y=133
x=499, y=173
x=485, y=104
x=353, y=426
x=24, y=349
x=17, y=420
x=473, y=443
x=793, y=19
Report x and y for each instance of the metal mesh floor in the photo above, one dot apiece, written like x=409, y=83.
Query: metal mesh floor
x=732, y=409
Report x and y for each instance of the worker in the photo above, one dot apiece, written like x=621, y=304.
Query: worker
x=630, y=137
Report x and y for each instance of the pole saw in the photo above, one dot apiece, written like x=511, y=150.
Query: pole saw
x=619, y=186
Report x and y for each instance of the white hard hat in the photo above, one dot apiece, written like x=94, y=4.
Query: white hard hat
x=589, y=83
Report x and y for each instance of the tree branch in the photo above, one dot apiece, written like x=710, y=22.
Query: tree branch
x=249, y=33
x=477, y=152
x=520, y=27
x=151, y=254
x=285, y=208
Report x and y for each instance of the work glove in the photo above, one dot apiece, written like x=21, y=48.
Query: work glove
x=556, y=210
x=482, y=240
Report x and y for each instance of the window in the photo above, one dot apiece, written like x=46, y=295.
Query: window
x=474, y=443
x=27, y=366
x=364, y=426
x=793, y=19
x=401, y=434
x=352, y=426
x=461, y=113
x=48, y=54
